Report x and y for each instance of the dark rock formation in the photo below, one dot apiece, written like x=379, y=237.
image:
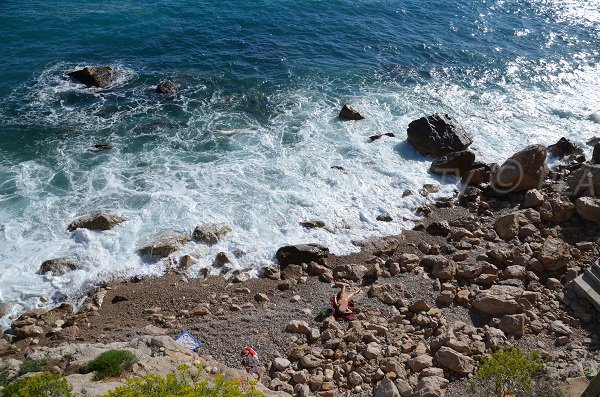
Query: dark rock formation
x=59, y=266
x=301, y=253
x=164, y=246
x=210, y=234
x=96, y=221
x=376, y=137
x=166, y=87
x=350, y=114
x=523, y=171
x=100, y=76
x=437, y=135
x=456, y=163
x=563, y=148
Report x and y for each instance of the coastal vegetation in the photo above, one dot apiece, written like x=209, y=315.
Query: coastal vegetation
x=112, y=363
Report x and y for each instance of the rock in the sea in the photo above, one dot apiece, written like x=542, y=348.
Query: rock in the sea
x=164, y=246
x=498, y=300
x=60, y=266
x=96, y=221
x=313, y=224
x=100, y=76
x=437, y=135
x=210, y=233
x=523, y=171
x=596, y=154
x=564, y=147
x=166, y=87
x=5, y=308
x=453, y=164
x=350, y=114
x=555, y=254
x=588, y=208
x=301, y=253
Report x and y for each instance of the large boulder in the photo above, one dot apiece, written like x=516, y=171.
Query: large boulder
x=555, y=254
x=60, y=266
x=563, y=148
x=455, y=361
x=96, y=221
x=588, y=208
x=437, y=135
x=210, y=233
x=164, y=246
x=301, y=253
x=387, y=388
x=513, y=324
x=523, y=171
x=350, y=114
x=499, y=300
x=456, y=163
x=585, y=181
x=431, y=386
x=100, y=76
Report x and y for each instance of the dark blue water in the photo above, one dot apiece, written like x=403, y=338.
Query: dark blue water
x=252, y=134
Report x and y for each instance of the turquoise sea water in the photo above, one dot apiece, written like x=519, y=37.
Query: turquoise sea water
x=252, y=134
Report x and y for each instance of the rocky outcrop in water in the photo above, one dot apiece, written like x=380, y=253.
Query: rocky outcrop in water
x=456, y=163
x=96, y=221
x=210, y=233
x=524, y=170
x=349, y=113
x=438, y=135
x=59, y=266
x=99, y=76
x=164, y=246
x=166, y=87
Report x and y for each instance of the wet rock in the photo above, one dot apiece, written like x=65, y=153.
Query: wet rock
x=596, y=154
x=523, y=171
x=221, y=259
x=301, y=253
x=349, y=113
x=60, y=266
x=437, y=135
x=313, y=224
x=479, y=173
x=96, y=221
x=210, y=234
x=164, y=246
x=384, y=218
x=588, y=208
x=166, y=87
x=5, y=308
x=563, y=148
x=378, y=136
x=100, y=76
x=456, y=163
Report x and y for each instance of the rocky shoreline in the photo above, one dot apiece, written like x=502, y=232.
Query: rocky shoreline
x=491, y=267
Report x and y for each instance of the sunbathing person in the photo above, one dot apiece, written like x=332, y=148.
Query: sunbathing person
x=343, y=305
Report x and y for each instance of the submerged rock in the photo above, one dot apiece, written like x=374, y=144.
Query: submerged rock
x=210, y=233
x=350, y=114
x=100, y=76
x=164, y=246
x=166, y=87
x=96, y=221
x=437, y=135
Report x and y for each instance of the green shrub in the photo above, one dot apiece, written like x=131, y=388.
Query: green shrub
x=40, y=385
x=183, y=384
x=112, y=363
x=30, y=365
x=3, y=378
x=514, y=372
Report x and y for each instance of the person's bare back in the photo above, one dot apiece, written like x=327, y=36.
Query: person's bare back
x=344, y=299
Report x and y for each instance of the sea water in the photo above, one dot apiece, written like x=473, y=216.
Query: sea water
x=252, y=135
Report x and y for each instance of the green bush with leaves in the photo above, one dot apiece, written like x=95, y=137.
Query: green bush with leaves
x=514, y=372
x=41, y=385
x=30, y=365
x=112, y=363
x=184, y=384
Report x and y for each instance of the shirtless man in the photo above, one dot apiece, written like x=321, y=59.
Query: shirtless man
x=343, y=300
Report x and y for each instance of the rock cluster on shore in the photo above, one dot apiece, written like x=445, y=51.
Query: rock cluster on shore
x=490, y=269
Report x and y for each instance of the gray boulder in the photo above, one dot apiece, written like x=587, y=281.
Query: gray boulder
x=164, y=246
x=437, y=135
x=387, y=388
x=96, y=221
x=210, y=234
x=60, y=266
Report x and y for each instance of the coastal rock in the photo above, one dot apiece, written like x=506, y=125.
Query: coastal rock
x=508, y=226
x=596, y=154
x=349, y=272
x=164, y=246
x=533, y=198
x=96, y=221
x=166, y=87
x=60, y=266
x=419, y=363
x=298, y=327
x=431, y=386
x=522, y=171
x=349, y=113
x=437, y=135
x=301, y=253
x=455, y=361
x=588, y=208
x=563, y=148
x=555, y=254
x=456, y=163
x=100, y=76
x=210, y=234
x=513, y=324
x=387, y=388
x=585, y=181
x=438, y=228
x=498, y=300
x=479, y=173
x=379, y=136
x=5, y=308
x=28, y=331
